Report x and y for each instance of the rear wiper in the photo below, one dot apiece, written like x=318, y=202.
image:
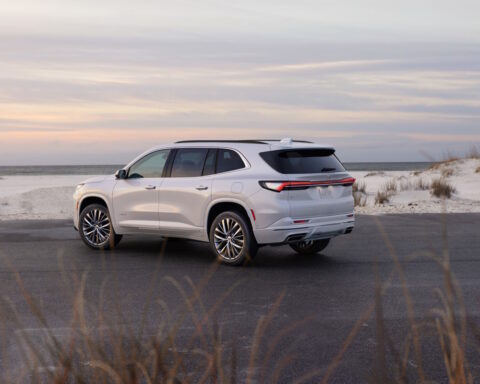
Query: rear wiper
x=328, y=169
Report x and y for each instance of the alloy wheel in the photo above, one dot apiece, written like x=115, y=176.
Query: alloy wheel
x=229, y=238
x=96, y=227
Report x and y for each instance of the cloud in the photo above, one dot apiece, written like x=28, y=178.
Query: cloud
x=323, y=65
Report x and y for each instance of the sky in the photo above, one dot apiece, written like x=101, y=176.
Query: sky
x=97, y=82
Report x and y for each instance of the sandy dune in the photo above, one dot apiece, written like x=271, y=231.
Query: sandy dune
x=50, y=197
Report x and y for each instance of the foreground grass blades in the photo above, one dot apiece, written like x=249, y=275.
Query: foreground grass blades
x=97, y=350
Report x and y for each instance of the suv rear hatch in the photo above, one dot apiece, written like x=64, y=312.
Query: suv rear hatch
x=317, y=183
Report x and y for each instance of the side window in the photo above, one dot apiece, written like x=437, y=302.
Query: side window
x=228, y=160
x=149, y=166
x=189, y=162
x=209, y=168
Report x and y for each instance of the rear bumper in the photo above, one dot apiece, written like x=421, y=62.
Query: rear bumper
x=287, y=231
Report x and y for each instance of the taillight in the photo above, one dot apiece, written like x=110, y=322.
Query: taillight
x=279, y=186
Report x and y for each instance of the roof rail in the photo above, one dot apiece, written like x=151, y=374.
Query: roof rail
x=262, y=141
x=294, y=141
x=221, y=141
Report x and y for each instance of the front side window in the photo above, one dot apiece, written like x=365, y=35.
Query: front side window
x=228, y=160
x=303, y=161
x=150, y=166
x=189, y=162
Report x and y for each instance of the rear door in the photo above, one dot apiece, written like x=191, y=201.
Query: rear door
x=185, y=194
x=317, y=185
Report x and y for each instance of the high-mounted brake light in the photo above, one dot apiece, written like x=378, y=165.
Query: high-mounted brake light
x=279, y=186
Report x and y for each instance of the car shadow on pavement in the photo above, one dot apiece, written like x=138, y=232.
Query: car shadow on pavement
x=182, y=251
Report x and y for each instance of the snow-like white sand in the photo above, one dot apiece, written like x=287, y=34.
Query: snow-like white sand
x=50, y=197
x=37, y=197
x=410, y=198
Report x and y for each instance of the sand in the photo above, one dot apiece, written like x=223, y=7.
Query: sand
x=50, y=197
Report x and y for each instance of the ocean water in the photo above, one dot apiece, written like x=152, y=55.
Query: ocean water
x=110, y=169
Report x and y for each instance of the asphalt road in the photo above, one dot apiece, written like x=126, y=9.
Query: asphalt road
x=320, y=298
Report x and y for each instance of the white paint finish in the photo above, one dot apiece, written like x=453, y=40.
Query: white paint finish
x=182, y=205
x=237, y=187
x=134, y=206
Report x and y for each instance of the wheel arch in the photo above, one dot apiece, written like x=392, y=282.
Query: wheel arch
x=96, y=199
x=218, y=206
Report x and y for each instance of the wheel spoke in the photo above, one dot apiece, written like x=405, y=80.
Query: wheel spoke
x=220, y=230
x=220, y=237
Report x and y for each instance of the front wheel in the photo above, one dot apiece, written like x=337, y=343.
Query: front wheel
x=95, y=228
x=232, y=239
x=309, y=247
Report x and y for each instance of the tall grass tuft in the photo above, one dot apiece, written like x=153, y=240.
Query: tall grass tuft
x=390, y=186
x=447, y=172
x=382, y=197
x=360, y=187
x=359, y=199
x=422, y=185
x=386, y=192
x=359, y=190
x=442, y=188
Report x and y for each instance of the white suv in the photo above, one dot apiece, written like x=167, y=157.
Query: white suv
x=237, y=195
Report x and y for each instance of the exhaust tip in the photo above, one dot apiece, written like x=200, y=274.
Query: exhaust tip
x=296, y=237
x=348, y=230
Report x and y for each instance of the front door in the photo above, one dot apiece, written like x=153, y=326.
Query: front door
x=136, y=198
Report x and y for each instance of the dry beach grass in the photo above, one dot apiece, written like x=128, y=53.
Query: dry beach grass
x=101, y=351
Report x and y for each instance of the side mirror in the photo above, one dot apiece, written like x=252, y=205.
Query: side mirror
x=121, y=174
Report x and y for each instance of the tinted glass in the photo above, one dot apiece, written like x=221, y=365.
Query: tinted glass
x=303, y=161
x=149, y=166
x=209, y=168
x=189, y=162
x=228, y=160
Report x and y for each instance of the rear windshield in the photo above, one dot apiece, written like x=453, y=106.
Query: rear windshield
x=303, y=161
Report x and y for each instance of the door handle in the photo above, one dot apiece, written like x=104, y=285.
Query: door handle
x=150, y=187
x=202, y=188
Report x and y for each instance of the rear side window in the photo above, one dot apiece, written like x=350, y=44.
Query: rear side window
x=303, y=161
x=189, y=162
x=228, y=160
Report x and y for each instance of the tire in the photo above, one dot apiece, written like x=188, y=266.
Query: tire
x=310, y=247
x=95, y=228
x=232, y=239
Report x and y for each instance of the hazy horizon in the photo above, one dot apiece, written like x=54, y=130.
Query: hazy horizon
x=382, y=81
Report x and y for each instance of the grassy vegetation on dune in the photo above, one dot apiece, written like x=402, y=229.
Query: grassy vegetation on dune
x=388, y=190
x=442, y=189
x=359, y=190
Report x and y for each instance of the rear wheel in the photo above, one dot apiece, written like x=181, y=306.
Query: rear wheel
x=95, y=228
x=308, y=247
x=231, y=238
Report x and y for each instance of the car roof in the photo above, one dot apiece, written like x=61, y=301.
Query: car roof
x=272, y=143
